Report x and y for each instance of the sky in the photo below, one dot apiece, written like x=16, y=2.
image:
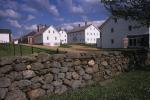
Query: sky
x=22, y=16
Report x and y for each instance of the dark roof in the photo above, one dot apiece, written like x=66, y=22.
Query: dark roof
x=7, y=31
x=78, y=29
x=105, y=22
x=31, y=33
x=41, y=31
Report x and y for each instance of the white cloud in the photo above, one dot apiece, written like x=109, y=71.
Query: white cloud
x=91, y=1
x=9, y=13
x=27, y=8
x=52, y=9
x=77, y=9
x=30, y=17
x=14, y=23
x=30, y=27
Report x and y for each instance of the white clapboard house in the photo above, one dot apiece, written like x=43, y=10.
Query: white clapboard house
x=87, y=34
x=63, y=36
x=5, y=36
x=122, y=33
x=47, y=35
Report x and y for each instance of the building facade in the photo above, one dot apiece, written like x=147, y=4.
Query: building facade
x=123, y=33
x=47, y=36
x=87, y=34
x=5, y=36
x=63, y=36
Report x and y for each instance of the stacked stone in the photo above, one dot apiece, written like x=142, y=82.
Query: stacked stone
x=30, y=77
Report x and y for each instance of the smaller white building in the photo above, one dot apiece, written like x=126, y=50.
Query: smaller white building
x=63, y=36
x=87, y=34
x=5, y=36
x=47, y=35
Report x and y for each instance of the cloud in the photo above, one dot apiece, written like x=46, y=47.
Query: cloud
x=27, y=8
x=59, y=19
x=30, y=17
x=30, y=27
x=77, y=9
x=9, y=13
x=14, y=23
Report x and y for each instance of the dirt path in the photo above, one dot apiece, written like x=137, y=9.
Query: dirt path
x=72, y=49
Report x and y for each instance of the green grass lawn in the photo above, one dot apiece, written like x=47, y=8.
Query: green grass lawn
x=8, y=50
x=129, y=86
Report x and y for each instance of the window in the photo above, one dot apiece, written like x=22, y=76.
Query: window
x=91, y=33
x=130, y=28
x=115, y=20
x=126, y=18
x=53, y=31
x=49, y=31
x=55, y=38
x=47, y=38
x=94, y=33
x=112, y=41
x=87, y=33
x=112, y=30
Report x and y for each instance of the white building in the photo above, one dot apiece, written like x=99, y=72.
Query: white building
x=47, y=35
x=5, y=36
x=122, y=33
x=63, y=36
x=87, y=34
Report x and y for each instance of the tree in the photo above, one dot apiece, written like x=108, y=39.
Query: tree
x=135, y=9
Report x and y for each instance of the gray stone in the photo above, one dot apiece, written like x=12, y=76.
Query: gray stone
x=15, y=76
x=5, y=69
x=91, y=63
x=67, y=64
x=60, y=89
x=61, y=75
x=108, y=72
x=5, y=82
x=3, y=92
x=57, y=83
x=37, y=79
x=87, y=77
x=33, y=94
x=37, y=66
x=55, y=64
x=69, y=75
x=20, y=67
x=95, y=68
x=81, y=72
x=48, y=87
x=55, y=70
x=48, y=78
x=104, y=63
x=6, y=61
x=75, y=75
x=24, y=83
x=89, y=70
x=43, y=57
x=28, y=67
x=16, y=95
x=67, y=82
x=76, y=84
x=77, y=68
x=36, y=86
x=63, y=69
x=77, y=62
x=27, y=74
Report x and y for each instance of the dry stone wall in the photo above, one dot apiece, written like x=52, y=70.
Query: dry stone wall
x=29, y=77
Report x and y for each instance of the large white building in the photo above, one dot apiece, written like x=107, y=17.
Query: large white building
x=47, y=35
x=122, y=33
x=87, y=34
x=5, y=36
x=63, y=36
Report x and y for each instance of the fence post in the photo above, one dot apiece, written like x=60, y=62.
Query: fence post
x=14, y=49
x=32, y=49
x=20, y=49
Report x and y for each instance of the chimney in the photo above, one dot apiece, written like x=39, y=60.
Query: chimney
x=79, y=25
x=85, y=23
x=40, y=27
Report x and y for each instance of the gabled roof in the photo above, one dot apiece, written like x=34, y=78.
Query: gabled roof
x=7, y=31
x=30, y=34
x=41, y=31
x=105, y=22
x=79, y=29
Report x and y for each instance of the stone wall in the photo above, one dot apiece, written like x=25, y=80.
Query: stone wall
x=29, y=77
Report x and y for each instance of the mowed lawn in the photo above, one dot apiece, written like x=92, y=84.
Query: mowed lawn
x=129, y=86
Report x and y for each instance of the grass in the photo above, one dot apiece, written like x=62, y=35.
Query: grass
x=65, y=46
x=130, y=86
x=8, y=50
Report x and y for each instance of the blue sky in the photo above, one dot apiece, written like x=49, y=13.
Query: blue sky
x=22, y=16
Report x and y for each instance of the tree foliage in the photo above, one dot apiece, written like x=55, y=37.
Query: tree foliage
x=135, y=9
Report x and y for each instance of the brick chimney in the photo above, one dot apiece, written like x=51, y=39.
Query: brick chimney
x=79, y=25
x=40, y=27
x=86, y=23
